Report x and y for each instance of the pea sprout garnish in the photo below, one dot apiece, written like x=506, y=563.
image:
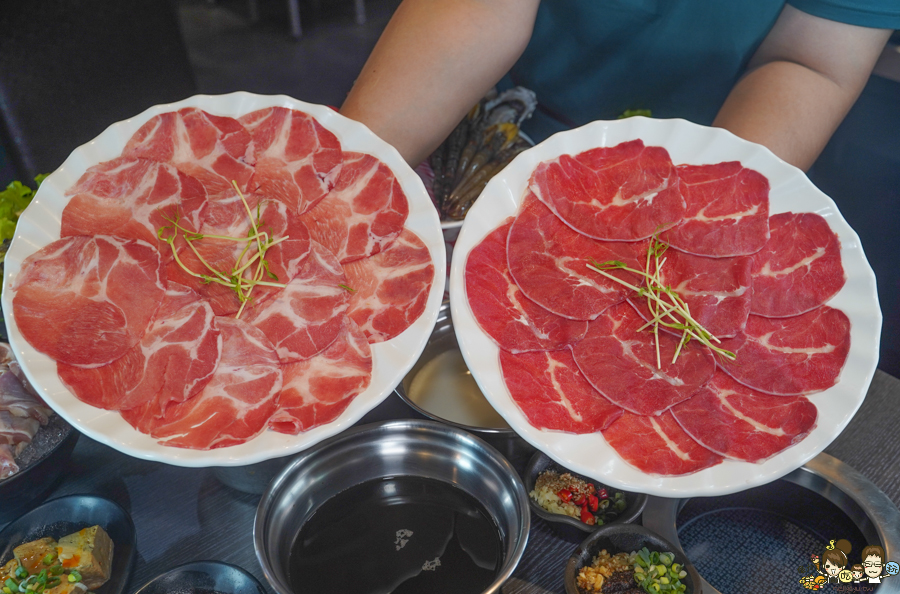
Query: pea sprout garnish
x=346, y=288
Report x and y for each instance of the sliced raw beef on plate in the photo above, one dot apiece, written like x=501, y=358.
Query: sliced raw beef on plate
x=553, y=394
x=658, y=445
x=319, y=389
x=214, y=149
x=307, y=315
x=727, y=211
x=133, y=199
x=391, y=288
x=236, y=403
x=86, y=300
x=621, y=193
x=516, y=323
x=364, y=212
x=621, y=363
x=798, y=355
x=548, y=261
x=716, y=290
x=737, y=422
x=297, y=159
x=800, y=267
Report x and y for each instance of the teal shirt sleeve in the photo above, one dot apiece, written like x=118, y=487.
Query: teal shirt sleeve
x=880, y=14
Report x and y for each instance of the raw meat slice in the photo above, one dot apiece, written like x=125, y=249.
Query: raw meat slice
x=716, y=290
x=727, y=211
x=658, y=445
x=513, y=321
x=364, y=212
x=553, y=394
x=548, y=261
x=319, y=389
x=798, y=355
x=391, y=288
x=86, y=300
x=133, y=199
x=621, y=193
x=800, y=267
x=19, y=402
x=234, y=406
x=17, y=431
x=214, y=149
x=307, y=315
x=740, y=423
x=621, y=363
x=297, y=159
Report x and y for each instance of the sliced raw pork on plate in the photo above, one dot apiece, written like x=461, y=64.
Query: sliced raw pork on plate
x=799, y=268
x=297, y=159
x=389, y=289
x=727, y=211
x=658, y=445
x=512, y=320
x=783, y=356
x=622, y=193
x=86, y=300
x=548, y=261
x=621, y=362
x=740, y=423
x=550, y=390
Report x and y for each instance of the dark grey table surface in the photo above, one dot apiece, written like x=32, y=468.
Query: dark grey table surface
x=185, y=514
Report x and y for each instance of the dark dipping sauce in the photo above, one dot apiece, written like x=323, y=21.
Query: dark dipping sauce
x=400, y=535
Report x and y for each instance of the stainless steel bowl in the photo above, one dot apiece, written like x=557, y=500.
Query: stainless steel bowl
x=406, y=447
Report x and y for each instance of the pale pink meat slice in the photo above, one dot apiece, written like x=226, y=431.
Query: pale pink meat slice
x=297, y=159
x=738, y=422
x=548, y=261
x=625, y=192
x=364, y=212
x=797, y=355
x=621, y=362
x=799, y=268
x=391, y=288
x=18, y=401
x=319, y=389
x=86, y=300
x=658, y=445
x=553, y=394
x=727, y=211
x=214, y=149
x=513, y=321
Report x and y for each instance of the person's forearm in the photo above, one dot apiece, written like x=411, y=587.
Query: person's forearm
x=434, y=61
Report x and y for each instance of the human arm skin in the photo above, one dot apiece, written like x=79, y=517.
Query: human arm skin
x=800, y=83
x=434, y=61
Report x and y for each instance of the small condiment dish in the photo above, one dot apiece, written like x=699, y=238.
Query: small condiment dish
x=204, y=577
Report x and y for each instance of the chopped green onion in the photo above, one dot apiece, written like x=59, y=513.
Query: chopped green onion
x=74, y=576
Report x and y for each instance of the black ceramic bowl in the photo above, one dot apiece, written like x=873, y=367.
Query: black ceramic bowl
x=566, y=526
x=66, y=515
x=203, y=577
x=625, y=538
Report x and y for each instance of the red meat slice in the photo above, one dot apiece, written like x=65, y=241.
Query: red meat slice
x=621, y=193
x=800, y=267
x=621, y=363
x=297, y=159
x=513, y=321
x=553, y=394
x=727, y=211
x=716, y=290
x=548, y=261
x=86, y=300
x=391, y=288
x=740, y=423
x=363, y=214
x=658, y=445
x=307, y=315
x=798, y=355
x=214, y=149
x=319, y=389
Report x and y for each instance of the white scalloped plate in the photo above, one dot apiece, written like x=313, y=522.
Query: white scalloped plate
x=687, y=143
x=40, y=225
